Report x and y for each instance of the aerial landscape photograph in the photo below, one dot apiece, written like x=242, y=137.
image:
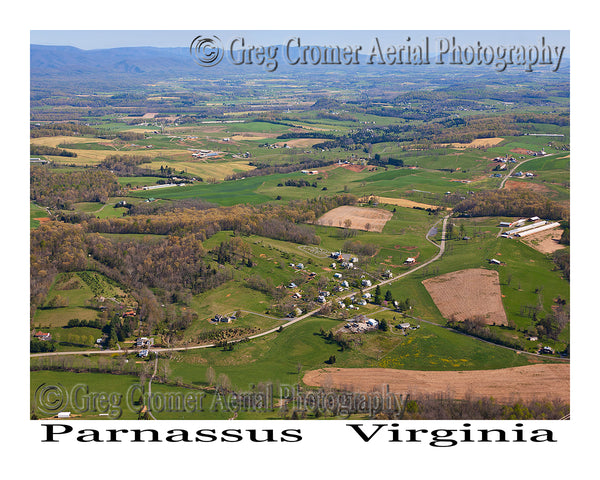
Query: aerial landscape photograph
x=300, y=225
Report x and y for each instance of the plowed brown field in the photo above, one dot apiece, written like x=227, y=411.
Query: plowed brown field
x=360, y=217
x=531, y=382
x=467, y=294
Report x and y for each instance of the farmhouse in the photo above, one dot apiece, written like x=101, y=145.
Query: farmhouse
x=409, y=260
x=365, y=283
x=144, y=342
x=223, y=318
x=43, y=336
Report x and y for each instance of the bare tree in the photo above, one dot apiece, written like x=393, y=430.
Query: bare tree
x=210, y=375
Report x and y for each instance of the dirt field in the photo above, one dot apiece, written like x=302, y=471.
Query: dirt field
x=525, y=185
x=375, y=218
x=300, y=142
x=525, y=383
x=468, y=293
x=401, y=202
x=521, y=151
x=479, y=142
x=545, y=242
x=355, y=168
x=252, y=136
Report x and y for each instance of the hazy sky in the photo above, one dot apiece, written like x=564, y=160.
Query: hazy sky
x=95, y=39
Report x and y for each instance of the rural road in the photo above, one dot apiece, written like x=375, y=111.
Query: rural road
x=442, y=247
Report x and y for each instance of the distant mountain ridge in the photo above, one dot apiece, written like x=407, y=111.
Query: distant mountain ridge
x=169, y=62
x=64, y=60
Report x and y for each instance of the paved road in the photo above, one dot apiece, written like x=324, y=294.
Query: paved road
x=441, y=246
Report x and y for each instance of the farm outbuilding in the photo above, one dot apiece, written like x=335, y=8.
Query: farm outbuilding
x=539, y=229
x=526, y=227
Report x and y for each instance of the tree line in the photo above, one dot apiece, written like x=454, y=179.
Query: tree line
x=511, y=204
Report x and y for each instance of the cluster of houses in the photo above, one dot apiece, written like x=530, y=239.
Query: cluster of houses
x=504, y=160
x=354, y=300
x=345, y=260
x=526, y=226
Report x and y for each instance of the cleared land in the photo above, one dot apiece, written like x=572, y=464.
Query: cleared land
x=531, y=382
x=545, y=242
x=360, y=218
x=479, y=142
x=467, y=294
x=301, y=142
x=402, y=202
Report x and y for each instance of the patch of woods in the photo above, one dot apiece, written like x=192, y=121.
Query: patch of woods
x=170, y=270
x=359, y=248
x=511, y=204
x=132, y=166
x=267, y=169
x=60, y=189
x=281, y=222
x=562, y=259
x=297, y=182
x=47, y=150
x=60, y=129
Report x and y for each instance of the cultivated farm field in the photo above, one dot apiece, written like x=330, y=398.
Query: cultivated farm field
x=358, y=218
x=468, y=294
